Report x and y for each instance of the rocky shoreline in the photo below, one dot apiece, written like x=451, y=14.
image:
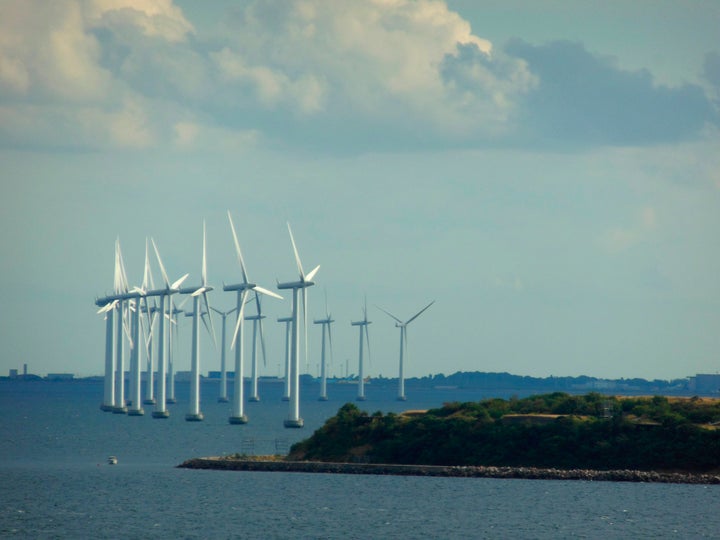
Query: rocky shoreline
x=274, y=465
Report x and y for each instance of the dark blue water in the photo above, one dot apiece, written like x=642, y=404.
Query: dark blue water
x=55, y=483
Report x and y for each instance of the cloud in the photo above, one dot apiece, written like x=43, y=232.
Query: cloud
x=586, y=99
x=330, y=76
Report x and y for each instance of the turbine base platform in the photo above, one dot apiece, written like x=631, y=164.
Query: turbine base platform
x=360, y=398
x=286, y=398
x=238, y=419
x=222, y=399
x=254, y=399
x=323, y=398
x=289, y=423
x=149, y=401
x=119, y=410
x=194, y=417
x=136, y=412
x=402, y=398
x=171, y=401
x=106, y=408
x=161, y=414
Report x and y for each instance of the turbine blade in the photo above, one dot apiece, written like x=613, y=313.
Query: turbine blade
x=312, y=273
x=107, y=307
x=199, y=291
x=162, y=267
x=240, y=317
x=262, y=342
x=209, y=314
x=411, y=319
x=388, y=313
x=203, y=274
x=367, y=339
x=297, y=257
x=267, y=292
x=145, y=270
x=178, y=282
x=237, y=249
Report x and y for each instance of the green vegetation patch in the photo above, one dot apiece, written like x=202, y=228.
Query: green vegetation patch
x=558, y=430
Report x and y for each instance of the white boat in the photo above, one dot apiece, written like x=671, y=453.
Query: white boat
x=112, y=460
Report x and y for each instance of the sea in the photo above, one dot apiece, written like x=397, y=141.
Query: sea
x=55, y=480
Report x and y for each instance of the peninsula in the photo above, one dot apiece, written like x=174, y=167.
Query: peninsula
x=557, y=435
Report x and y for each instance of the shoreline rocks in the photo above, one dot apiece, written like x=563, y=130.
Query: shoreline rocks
x=528, y=473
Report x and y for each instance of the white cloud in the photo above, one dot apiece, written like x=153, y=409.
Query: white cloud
x=155, y=18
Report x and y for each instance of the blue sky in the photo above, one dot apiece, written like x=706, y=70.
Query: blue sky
x=548, y=172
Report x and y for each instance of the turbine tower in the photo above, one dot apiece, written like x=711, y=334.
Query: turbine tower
x=238, y=416
x=287, y=321
x=305, y=281
x=403, y=346
x=223, y=366
x=195, y=415
x=363, y=326
x=173, y=321
x=135, y=408
x=169, y=289
x=326, y=322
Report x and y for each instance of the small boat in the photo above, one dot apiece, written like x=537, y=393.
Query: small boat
x=112, y=460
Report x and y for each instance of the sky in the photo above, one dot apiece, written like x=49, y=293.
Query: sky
x=547, y=171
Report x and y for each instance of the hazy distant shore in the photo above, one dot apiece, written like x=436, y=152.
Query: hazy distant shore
x=270, y=464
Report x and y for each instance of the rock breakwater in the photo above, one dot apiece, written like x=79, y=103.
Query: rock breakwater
x=255, y=464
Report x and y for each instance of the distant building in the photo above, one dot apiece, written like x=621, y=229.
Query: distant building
x=13, y=373
x=706, y=383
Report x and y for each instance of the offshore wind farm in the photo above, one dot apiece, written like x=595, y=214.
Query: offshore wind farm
x=130, y=314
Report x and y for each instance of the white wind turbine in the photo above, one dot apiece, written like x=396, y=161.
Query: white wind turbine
x=363, y=325
x=223, y=366
x=107, y=306
x=305, y=281
x=403, y=346
x=287, y=321
x=195, y=415
x=169, y=289
x=238, y=416
x=326, y=322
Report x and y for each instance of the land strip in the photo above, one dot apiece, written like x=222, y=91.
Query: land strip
x=530, y=473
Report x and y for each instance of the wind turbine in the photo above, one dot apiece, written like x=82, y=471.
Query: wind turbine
x=107, y=306
x=115, y=384
x=287, y=321
x=294, y=420
x=194, y=415
x=223, y=369
x=326, y=322
x=169, y=289
x=363, y=325
x=238, y=416
x=403, y=345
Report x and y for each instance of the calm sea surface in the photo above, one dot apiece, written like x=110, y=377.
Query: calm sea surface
x=55, y=483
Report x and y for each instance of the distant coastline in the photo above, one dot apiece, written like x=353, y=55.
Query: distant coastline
x=271, y=464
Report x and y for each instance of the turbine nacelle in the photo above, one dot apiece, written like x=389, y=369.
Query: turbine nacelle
x=302, y=284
